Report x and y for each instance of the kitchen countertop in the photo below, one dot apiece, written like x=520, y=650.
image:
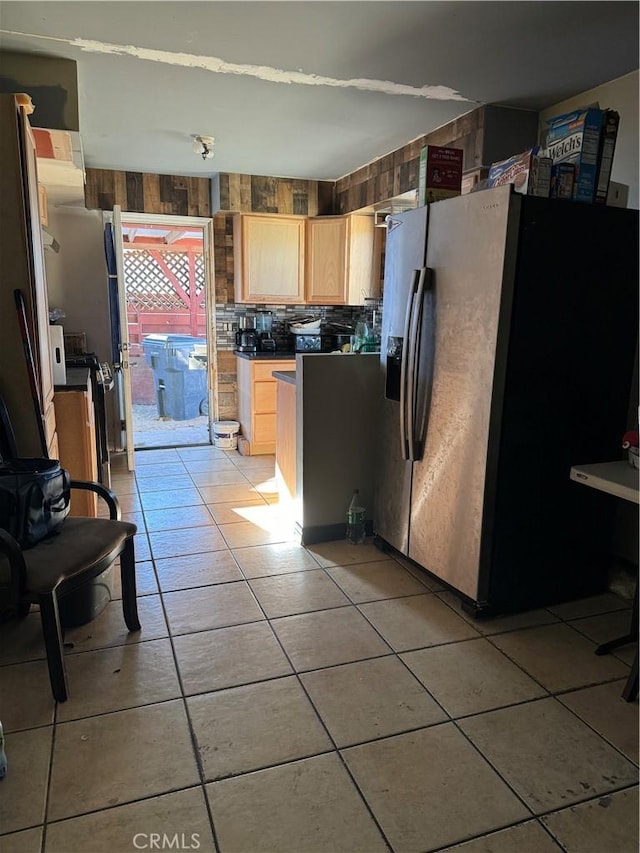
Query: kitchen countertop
x=266, y=356
x=285, y=376
x=77, y=380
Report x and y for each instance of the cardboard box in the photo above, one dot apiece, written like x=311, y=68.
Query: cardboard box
x=575, y=138
x=472, y=177
x=562, y=180
x=610, y=123
x=440, y=173
x=618, y=194
x=529, y=173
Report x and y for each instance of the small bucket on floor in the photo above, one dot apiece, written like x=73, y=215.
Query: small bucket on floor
x=225, y=434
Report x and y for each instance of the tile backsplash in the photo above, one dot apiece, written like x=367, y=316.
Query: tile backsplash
x=227, y=316
x=228, y=313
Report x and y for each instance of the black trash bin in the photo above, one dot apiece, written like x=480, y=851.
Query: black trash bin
x=180, y=386
x=88, y=601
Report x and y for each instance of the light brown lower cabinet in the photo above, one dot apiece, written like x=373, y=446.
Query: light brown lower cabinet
x=286, y=440
x=257, y=404
x=77, y=445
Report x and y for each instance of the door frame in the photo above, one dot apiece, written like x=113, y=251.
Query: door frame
x=206, y=223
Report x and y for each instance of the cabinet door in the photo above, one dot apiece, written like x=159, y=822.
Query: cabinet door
x=270, y=266
x=22, y=266
x=326, y=260
x=77, y=445
x=39, y=297
x=363, y=260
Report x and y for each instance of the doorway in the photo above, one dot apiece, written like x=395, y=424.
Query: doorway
x=167, y=329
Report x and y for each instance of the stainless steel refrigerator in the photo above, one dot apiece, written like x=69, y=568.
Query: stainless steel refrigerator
x=508, y=339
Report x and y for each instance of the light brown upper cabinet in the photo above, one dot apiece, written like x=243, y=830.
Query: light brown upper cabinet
x=269, y=258
x=341, y=260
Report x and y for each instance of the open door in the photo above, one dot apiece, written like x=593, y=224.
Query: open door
x=127, y=410
x=162, y=300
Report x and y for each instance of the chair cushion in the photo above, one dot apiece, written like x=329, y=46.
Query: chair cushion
x=78, y=548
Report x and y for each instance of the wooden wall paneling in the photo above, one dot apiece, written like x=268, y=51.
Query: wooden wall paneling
x=197, y=196
x=119, y=189
x=326, y=195
x=244, y=199
x=172, y=198
x=284, y=196
x=134, y=192
x=223, y=255
x=223, y=188
x=266, y=194
x=263, y=194
x=312, y=195
x=142, y=192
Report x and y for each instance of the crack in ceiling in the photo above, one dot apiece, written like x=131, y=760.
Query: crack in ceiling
x=217, y=65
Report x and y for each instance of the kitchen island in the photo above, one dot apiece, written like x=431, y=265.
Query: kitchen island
x=286, y=433
x=326, y=439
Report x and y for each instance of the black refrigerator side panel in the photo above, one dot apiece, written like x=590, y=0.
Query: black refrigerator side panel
x=569, y=372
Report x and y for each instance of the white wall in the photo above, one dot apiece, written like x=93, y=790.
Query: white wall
x=77, y=275
x=620, y=95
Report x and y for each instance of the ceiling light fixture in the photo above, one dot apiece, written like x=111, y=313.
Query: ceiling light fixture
x=203, y=145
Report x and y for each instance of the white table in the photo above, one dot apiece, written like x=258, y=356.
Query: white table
x=619, y=479
x=615, y=478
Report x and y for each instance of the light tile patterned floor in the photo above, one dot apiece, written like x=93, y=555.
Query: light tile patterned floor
x=309, y=700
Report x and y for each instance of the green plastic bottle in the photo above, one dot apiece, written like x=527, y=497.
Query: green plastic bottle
x=355, y=520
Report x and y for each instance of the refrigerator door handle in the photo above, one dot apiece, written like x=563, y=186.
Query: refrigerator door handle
x=406, y=346
x=412, y=382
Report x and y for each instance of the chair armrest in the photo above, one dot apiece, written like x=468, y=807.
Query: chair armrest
x=106, y=494
x=18, y=577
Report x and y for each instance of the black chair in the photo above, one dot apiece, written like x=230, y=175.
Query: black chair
x=63, y=563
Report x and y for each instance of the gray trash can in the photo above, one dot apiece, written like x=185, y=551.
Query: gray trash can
x=180, y=389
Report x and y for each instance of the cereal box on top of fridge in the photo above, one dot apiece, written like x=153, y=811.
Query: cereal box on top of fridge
x=562, y=180
x=575, y=138
x=529, y=173
x=440, y=173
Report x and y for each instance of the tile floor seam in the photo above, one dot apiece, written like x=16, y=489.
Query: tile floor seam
x=493, y=767
x=587, y=637
x=24, y=829
x=192, y=733
x=239, y=774
x=336, y=749
x=471, y=838
x=590, y=799
x=479, y=621
x=558, y=808
x=111, y=806
x=635, y=762
x=45, y=812
x=519, y=665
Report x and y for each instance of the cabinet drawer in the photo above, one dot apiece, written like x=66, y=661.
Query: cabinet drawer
x=264, y=396
x=265, y=428
x=263, y=371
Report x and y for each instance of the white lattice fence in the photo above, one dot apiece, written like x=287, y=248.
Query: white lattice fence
x=163, y=281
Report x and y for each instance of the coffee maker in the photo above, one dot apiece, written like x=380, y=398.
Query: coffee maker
x=246, y=337
x=264, y=325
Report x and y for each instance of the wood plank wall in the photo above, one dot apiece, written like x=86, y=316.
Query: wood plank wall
x=140, y=192
x=397, y=173
x=223, y=257
x=261, y=194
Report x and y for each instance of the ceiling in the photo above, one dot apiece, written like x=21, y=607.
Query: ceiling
x=309, y=89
